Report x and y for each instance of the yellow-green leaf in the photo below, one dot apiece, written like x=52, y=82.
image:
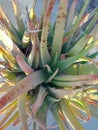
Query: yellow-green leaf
x=69, y=115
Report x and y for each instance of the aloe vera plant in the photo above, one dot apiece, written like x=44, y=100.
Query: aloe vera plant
x=49, y=67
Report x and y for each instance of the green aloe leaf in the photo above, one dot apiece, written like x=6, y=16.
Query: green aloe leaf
x=82, y=106
x=76, y=24
x=69, y=78
x=41, y=73
x=7, y=115
x=92, y=23
x=94, y=32
x=64, y=64
x=39, y=101
x=78, y=113
x=8, y=107
x=18, y=15
x=93, y=55
x=80, y=45
x=72, y=84
x=71, y=14
x=44, y=9
x=88, y=16
x=52, y=76
x=8, y=56
x=8, y=42
x=94, y=109
x=23, y=65
x=32, y=16
x=10, y=28
x=55, y=112
x=81, y=69
x=10, y=121
x=45, y=57
x=22, y=86
x=55, y=60
x=64, y=93
x=59, y=29
x=21, y=104
x=69, y=115
x=34, y=56
x=92, y=96
x=82, y=12
x=36, y=60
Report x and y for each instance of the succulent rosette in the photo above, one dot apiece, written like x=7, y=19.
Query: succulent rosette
x=48, y=66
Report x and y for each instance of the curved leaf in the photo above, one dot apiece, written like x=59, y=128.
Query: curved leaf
x=9, y=27
x=18, y=16
x=7, y=41
x=21, y=104
x=45, y=57
x=7, y=115
x=69, y=115
x=56, y=115
x=23, y=65
x=22, y=86
x=59, y=28
x=9, y=57
x=10, y=121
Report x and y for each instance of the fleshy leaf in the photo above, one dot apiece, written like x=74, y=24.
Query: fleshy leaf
x=65, y=93
x=9, y=27
x=9, y=57
x=55, y=112
x=74, y=84
x=82, y=106
x=45, y=57
x=92, y=23
x=18, y=15
x=68, y=78
x=40, y=99
x=22, y=86
x=80, y=45
x=7, y=107
x=21, y=104
x=7, y=41
x=23, y=65
x=76, y=24
x=59, y=28
x=7, y=115
x=10, y=121
x=69, y=115
x=71, y=15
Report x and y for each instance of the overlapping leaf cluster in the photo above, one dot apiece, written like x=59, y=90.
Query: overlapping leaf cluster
x=49, y=66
